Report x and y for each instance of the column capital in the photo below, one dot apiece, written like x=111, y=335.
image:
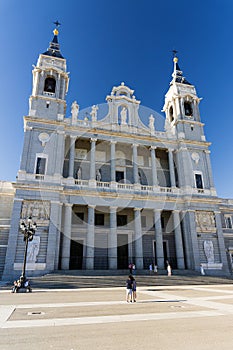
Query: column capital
x=176, y=211
x=91, y=206
x=93, y=139
x=73, y=137
x=113, y=209
x=113, y=142
x=137, y=209
x=170, y=149
x=68, y=204
x=135, y=145
x=152, y=148
x=157, y=211
x=207, y=151
x=56, y=202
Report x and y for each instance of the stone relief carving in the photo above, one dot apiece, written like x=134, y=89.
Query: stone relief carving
x=195, y=157
x=205, y=221
x=209, y=251
x=38, y=210
x=33, y=249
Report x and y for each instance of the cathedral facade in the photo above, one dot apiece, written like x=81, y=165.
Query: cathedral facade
x=107, y=189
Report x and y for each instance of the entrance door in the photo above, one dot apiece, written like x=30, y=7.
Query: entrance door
x=76, y=255
x=122, y=251
x=119, y=176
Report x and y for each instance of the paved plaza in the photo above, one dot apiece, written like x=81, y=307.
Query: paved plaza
x=194, y=316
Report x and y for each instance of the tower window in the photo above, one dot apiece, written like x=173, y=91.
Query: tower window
x=188, y=109
x=49, y=85
x=47, y=104
x=40, y=166
x=171, y=114
x=198, y=181
x=228, y=221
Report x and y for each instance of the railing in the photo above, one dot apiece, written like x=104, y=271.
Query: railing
x=39, y=177
x=103, y=184
x=81, y=182
x=125, y=186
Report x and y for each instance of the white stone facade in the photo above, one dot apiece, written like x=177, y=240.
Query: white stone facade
x=110, y=189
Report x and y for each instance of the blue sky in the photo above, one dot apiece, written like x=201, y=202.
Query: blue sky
x=106, y=42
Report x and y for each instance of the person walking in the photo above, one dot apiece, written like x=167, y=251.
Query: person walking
x=129, y=285
x=169, y=269
x=134, y=289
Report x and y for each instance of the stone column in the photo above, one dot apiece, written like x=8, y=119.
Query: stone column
x=178, y=240
x=72, y=154
x=113, y=161
x=65, y=255
x=159, y=239
x=138, y=239
x=191, y=241
x=112, y=240
x=59, y=233
x=92, y=160
x=53, y=235
x=171, y=168
x=135, y=163
x=153, y=167
x=209, y=170
x=90, y=243
x=12, y=240
x=60, y=154
x=221, y=243
x=26, y=147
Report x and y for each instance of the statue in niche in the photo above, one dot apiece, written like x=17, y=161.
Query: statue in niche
x=33, y=249
x=93, y=113
x=98, y=175
x=79, y=174
x=123, y=116
x=209, y=251
x=151, y=122
x=74, y=111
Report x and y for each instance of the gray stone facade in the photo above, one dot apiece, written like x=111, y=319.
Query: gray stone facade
x=107, y=190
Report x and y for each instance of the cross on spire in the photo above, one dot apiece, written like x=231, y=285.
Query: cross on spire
x=57, y=23
x=174, y=53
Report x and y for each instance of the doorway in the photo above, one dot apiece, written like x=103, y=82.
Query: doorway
x=122, y=251
x=76, y=255
x=120, y=176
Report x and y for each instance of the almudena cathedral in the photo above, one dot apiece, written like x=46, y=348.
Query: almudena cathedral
x=106, y=190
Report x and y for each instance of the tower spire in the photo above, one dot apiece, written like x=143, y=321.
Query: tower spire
x=177, y=72
x=54, y=47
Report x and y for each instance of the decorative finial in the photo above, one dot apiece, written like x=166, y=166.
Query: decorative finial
x=56, y=32
x=175, y=58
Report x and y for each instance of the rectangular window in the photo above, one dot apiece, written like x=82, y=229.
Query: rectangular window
x=228, y=221
x=121, y=220
x=40, y=166
x=199, y=182
x=80, y=217
x=99, y=219
x=143, y=220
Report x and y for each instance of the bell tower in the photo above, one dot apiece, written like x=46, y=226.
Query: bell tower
x=182, y=107
x=50, y=83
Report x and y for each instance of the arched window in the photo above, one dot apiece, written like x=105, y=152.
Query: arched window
x=171, y=114
x=188, y=109
x=50, y=85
